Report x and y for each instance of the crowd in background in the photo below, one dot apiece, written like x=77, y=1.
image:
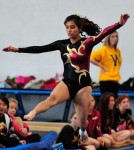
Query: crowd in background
x=110, y=125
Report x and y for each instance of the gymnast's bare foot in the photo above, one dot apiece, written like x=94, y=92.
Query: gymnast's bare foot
x=30, y=116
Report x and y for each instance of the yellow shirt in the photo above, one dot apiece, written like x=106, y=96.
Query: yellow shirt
x=111, y=59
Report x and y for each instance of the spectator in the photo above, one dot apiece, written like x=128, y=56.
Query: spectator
x=20, y=128
x=96, y=137
x=69, y=134
x=108, y=58
x=7, y=136
x=120, y=138
x=123, y=114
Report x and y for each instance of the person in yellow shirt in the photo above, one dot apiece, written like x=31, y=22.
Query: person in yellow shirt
x=108, y=58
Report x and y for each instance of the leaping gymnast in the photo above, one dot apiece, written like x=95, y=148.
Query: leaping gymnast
x=75, y=53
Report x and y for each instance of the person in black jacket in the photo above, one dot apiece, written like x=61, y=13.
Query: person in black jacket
x=69, y=134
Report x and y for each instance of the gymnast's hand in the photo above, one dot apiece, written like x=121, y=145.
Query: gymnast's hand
x=11, y=49
x=30, y=116
x=123, y=19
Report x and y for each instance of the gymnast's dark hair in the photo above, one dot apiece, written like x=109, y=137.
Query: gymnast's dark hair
x=84, y=24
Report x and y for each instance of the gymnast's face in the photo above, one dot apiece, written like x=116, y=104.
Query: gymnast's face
x=113, y=39
x=72, y=30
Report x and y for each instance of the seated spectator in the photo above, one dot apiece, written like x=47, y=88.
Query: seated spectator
x=120, y=138
x=7, y=136
x=21, y=128
x=69, y=134
x=123, y=114
x=96, y=137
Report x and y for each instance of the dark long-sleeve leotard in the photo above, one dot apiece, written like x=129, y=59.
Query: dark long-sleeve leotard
x=75, y=57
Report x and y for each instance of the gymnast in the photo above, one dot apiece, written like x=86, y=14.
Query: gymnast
x=75, y=52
